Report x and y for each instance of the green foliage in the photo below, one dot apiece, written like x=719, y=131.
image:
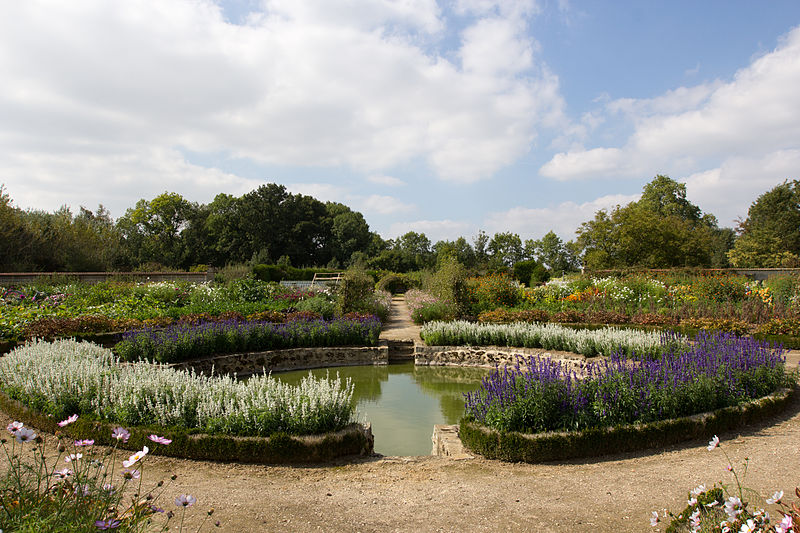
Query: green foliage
x=355, y=292
x=769, y=236
x=449, y=285
x=318, y=304
x=396, y=283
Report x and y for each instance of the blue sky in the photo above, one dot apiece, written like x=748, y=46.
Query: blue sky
x=439, y=117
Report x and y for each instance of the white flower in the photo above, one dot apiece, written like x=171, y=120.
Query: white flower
x=72, y=457
x=15, y=426
x=698, y=490
x=785, y=526
x=733, y=507
x=654, y=519
x=748, y=527
x=691, y=501
x=694, y=520
x=713, y=443
x=135, y=457
x=776, y=498
x=24, y=435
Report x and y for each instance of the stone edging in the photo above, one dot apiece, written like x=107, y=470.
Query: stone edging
x=244, y=364
x=559, y=446
x=355, y=439
x=487, y=356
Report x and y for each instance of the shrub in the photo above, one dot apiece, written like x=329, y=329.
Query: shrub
x=426, y=308
x=606, y=317
x=268, y=272
x=568, y=316
x=319, y=305
x=720, y=289
x=640, y=344
x=355, y=292
x=778, y=326
x=718, y=324
x=716, y=371
x=523, y=270
x=495, y=290
x=67, y=377
x=394, y=283
x=652, y=319
x=449, y=285
x=186, y=341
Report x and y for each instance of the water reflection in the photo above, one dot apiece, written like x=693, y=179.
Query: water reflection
x=403, y=401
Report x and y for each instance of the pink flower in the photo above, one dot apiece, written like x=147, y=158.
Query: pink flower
x=159, y=440
x=121, y=434
x=713, y=443
x=86, y=442
x=68, y=421
x=135, y=457
x=785, y=526
x=13, y=427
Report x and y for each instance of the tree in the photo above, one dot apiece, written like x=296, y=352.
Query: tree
x=349, y=232
x=506, y=249
x=152, y=230
x=661, y=230
x=552, y=251
x=770, y=236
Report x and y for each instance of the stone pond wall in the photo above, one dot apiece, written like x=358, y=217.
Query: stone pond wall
x=244, y=364
x=487, y=356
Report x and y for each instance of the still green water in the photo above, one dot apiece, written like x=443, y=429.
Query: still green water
x=403, y=401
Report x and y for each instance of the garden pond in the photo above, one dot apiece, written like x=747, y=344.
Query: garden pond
x=403, y=401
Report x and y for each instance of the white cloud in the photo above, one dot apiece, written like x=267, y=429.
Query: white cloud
x=751, y=116
x=372, y=204
x=435, y=230
x=307, y=83
x=384, y=205
x=389, y=181
x=563, y=219
x=728, y=191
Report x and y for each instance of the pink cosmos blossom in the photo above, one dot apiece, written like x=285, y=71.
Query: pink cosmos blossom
x=159, y=440
x=85, y=442
x=785, y=526
x=13, y=427
x=776, y=498
x=121, y=434
x=68, y=421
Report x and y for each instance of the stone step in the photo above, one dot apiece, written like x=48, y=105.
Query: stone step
x=401, y=350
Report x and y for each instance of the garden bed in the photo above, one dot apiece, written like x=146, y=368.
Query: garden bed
x=280, y=448
x=564, y=445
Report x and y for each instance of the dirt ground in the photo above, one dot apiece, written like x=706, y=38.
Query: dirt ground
x=431, y=494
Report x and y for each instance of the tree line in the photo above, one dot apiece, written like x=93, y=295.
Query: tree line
x=271, y=225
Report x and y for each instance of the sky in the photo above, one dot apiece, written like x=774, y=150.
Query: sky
x=442, y=117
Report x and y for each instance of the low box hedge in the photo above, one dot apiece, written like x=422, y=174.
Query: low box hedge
x=279, y=448
x=559, y=446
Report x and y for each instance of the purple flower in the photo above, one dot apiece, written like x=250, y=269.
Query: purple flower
x=107, y=524
x=85, y=442
x=68, y=421
x=185, y=500
x=159, y=440
x=121, y=434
